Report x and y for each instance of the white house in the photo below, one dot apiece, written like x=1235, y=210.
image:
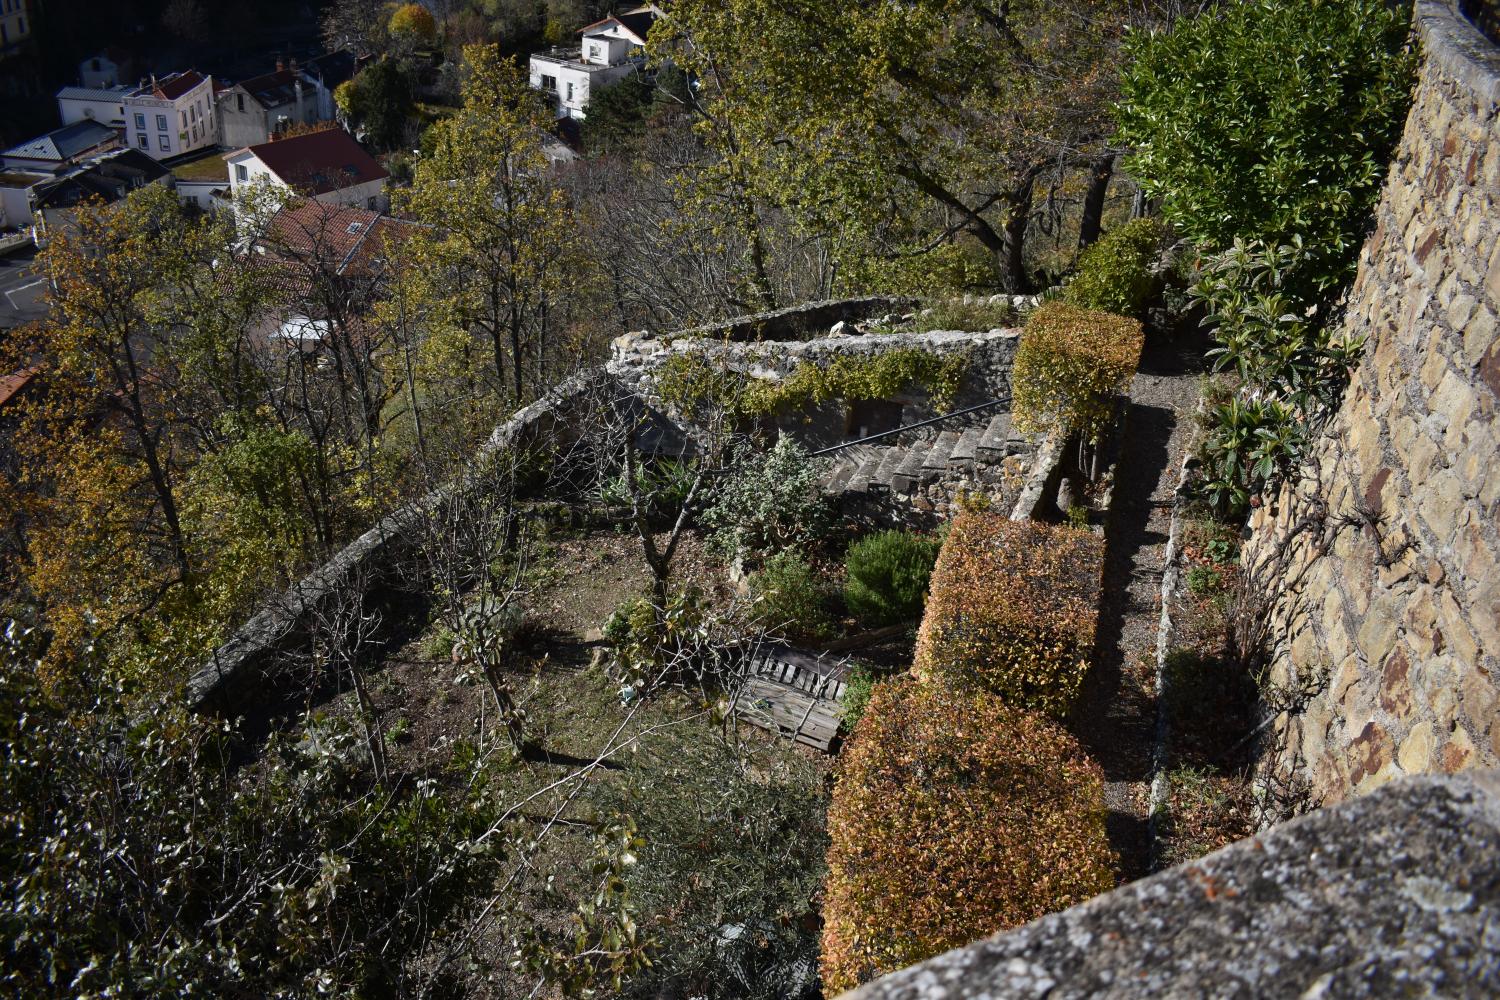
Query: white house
x=105, y=105
x=608, y=51
x=15, y=26
x=172, y=116
x=327, y=166
x=255, y=110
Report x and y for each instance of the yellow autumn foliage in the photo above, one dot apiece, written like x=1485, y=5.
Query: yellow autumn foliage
x=1013, y=609
x=1070, y=365
x=954, y=816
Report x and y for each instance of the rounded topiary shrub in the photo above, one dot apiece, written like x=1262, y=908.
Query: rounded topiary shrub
x=1014, y=607
x=1070, y=366
x=953, y=816
x=1115, y=274
x=887, y=576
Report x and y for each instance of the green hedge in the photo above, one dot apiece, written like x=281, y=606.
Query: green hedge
x=1115, y=274
x=886, y=576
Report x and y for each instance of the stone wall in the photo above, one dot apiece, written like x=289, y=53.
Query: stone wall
x=1383, y=563
x=238, y=673
x=797, y=322
x=991, y=355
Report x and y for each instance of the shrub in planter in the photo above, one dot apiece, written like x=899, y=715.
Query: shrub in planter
x=1070, y=365
x=953, y=816
x=887, y=575
x=1114, y=275
x=792, y=597
x=1013, y=608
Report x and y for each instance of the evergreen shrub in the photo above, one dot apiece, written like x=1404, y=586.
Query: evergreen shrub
x=1070, y=365
x=953, y=816
x=887, y=575
x=1013, y=608
x=1115, y=274
x=791, y=597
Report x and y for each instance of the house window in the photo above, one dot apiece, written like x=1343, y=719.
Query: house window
x=370, y=203
x=94, y=65
x=165, y=143
x=570, y=90
x=143, y=142
x=549, y=83
x=240, y=173
x=140, y=122
x=161, y=123
x=240, y=100
x=183, y=116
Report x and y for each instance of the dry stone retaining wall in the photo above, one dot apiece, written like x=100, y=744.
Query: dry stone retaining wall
x=1384, y=563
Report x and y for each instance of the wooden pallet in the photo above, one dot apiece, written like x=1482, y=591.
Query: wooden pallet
x=796, y=693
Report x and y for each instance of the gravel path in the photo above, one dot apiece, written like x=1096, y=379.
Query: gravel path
x=1115, y=716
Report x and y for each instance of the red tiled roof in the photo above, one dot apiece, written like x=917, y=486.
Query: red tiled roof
x=319, y=162
x=11, y=385
x=178, y=84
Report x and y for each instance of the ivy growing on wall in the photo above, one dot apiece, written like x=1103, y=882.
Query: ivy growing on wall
x=690, y=381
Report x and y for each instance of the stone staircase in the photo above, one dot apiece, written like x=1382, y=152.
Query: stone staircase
x=969, y=454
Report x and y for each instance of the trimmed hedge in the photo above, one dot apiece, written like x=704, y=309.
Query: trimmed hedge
x=1070, y=365
x=1114, y=275
x=1013, y=608
x=954, y=816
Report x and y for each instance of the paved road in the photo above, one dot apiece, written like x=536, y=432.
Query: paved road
x=22, y=290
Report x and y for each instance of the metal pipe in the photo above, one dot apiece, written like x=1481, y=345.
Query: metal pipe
x=911, y=427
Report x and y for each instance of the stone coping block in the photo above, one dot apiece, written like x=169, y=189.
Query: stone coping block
x=1457, y=47
x=795, y=322
x=1393, y=894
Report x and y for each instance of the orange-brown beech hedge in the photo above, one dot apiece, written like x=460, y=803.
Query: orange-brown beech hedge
x=1014, y=606
x=954, y=815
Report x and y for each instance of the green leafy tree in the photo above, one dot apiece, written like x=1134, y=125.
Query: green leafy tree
x=503, y=234
x=378, y=101
x=891, y=129
x=1269, y=119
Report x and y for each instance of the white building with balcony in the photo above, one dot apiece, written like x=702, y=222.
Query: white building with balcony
x=608, y=51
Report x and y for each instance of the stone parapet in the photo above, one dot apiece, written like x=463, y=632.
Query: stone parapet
x=1382, y=563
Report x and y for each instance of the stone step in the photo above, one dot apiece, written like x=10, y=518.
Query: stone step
x=839, y=475
x=997, y=435
x=886, y=471
x=910, y=470
x=936, y=462
x=860, y=481
x=966, y=450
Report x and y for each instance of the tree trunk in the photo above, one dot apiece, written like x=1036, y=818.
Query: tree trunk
x=1101, y=172
x=1012, y=258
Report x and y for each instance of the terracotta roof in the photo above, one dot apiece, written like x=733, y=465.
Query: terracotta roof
x=319, y=162
x=172, y=87
x=638, y=22
x=11, y=385
x=315, y=229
